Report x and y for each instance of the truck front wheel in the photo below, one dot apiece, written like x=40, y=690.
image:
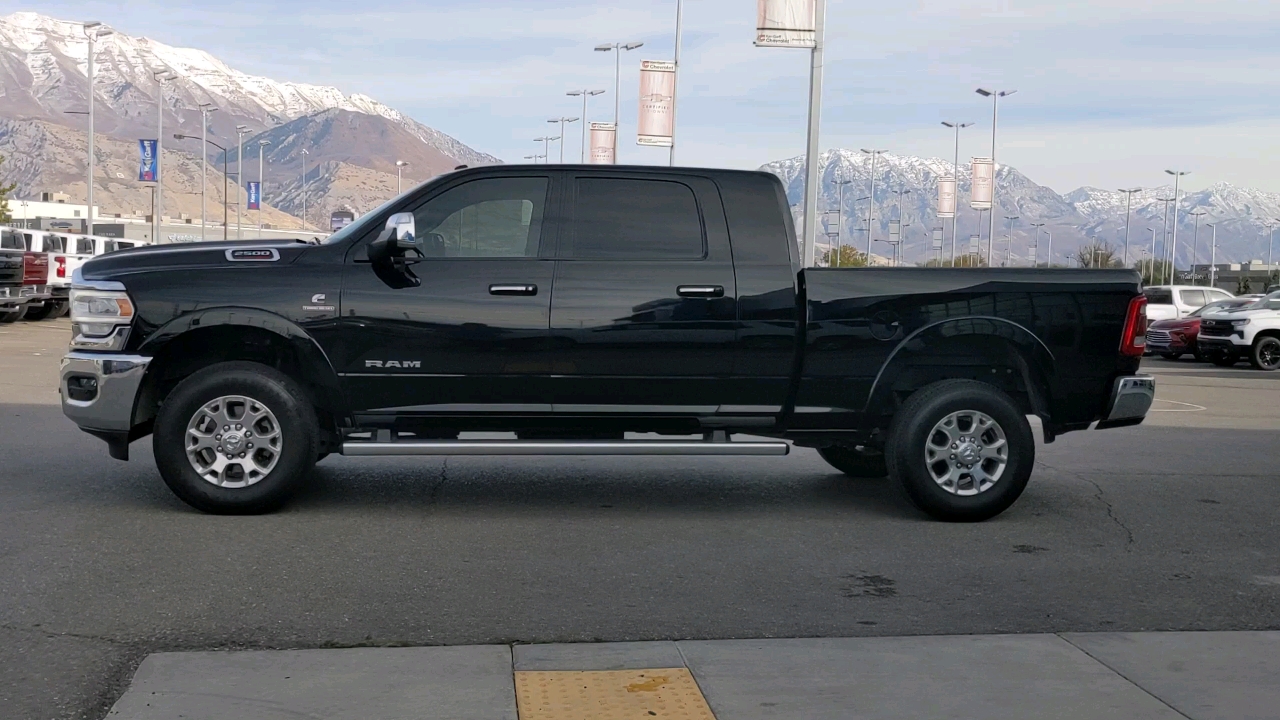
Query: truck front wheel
x=853, y=462
x=961, y=450
x=236, y=438
x=1265, y=354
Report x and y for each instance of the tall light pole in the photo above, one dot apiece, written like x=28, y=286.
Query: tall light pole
x=902, y=227
x=546, y=144
x=205, y=109
x=1173, y=261
x=400, y=164
x=1152, y=274
x=1128, y=204
x=1164, y=237
x=1049, y=250
x=616, y=49
x=1009, y=250
x=92, y=30
x=995, y=96
x=840, y=216
x=586, y=94
x=1036, y=258
x=534, y=158
x=872, y=205
x=241, y=131
x=262, y=150
x=225, y=173
x=675, y=81
x=562, y=121
x=305, y=153
x=1195, y=244
x=1213, y=255
x=161, y=77
x=955, y=174
x=1271, y=224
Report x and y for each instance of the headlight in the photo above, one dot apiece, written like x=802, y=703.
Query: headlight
x=1239, y=323
x=100, y=318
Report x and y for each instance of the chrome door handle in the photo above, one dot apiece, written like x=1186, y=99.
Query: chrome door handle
x=513, y=289
x=700, y=291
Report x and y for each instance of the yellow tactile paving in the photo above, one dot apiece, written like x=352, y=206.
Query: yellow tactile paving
x=669, y=693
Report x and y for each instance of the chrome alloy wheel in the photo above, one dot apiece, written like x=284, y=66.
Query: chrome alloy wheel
x=966, y=452
x=233, y=441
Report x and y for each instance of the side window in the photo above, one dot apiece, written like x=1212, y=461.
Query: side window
x=621, y=219
x=1192, y=298
x=122, y=245
x=55, y=244
x=109, y=246
x=27, y=240
x=9, y=240
x=493, y=218
x=1218, y=295
x=1159, y=296
x=84, y=246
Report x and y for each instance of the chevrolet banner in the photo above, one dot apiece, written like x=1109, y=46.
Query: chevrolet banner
x=147, y=161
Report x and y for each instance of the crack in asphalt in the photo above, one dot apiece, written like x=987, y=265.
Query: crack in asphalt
x=435, y=489
x=54, y=634
x=1100, y=497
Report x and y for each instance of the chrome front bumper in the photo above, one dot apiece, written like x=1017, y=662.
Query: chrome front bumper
x=105, y=389
x=1131, y=398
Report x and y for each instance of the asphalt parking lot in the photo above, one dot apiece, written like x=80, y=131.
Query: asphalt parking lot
x=1167, y=526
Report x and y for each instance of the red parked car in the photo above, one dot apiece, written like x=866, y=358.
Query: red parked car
x=1170, y=339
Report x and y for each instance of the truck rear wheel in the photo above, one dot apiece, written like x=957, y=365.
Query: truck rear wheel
x=853, y=462
x=236, y=438
x=961, y=450
x=44, y=311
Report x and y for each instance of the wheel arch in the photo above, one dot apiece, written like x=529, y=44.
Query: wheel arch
x=197, y=340
x=993, y=350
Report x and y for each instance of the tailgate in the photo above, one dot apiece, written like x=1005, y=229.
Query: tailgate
x=35, y=268
x=11, y=263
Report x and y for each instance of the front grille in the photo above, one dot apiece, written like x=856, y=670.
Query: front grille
x=1216, y=328
x=1159, y=337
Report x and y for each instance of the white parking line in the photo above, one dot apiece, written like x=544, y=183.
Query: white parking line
x=1189, y=407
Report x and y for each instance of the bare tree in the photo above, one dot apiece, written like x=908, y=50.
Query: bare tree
x=1098, y=254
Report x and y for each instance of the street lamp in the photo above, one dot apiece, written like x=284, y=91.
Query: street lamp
x=586, y=94
x=1195, y=246
x=955, y=174
x=1213, y=255
x=995, y=96
x=616, y=49
x=205, y=109
x=305, y=153
x=546, y=144
x=180, y=136
x=1173, y=260
x=241, y=131
x=840, y=217
x=400, y=165
x=1270, y=241
x=1151, y=275
x=1035, y=258
x=92, y=30
x=262, y=150
x=161, y=77
x=871, y=208
x=562, y=121
x=1009, y=249
x=1128, y=203
x=1164, y=237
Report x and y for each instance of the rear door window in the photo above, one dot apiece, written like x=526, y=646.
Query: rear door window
x=124, y=245
x=55, y=244
x=632, y=219
x=1192, y=298
x=84, y=246
x=1159, y=296
x=9, y=240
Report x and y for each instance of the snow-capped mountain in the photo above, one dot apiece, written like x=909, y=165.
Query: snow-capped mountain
x=1081, y=216
x=43, y=71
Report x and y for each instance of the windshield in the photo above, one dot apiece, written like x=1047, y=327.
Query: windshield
x=1261, y=302
x=359, y=226
x=1233, y=304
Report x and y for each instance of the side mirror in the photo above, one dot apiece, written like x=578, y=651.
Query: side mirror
x=387, y=252
x=404, y=233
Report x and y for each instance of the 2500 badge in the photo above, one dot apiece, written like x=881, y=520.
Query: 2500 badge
x=253, y=255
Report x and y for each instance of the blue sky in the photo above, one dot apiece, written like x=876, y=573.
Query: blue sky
x=1109, y=93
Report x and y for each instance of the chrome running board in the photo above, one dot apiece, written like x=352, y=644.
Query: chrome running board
x=551, y=447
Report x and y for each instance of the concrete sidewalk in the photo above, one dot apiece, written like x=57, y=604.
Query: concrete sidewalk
x=1134, y=676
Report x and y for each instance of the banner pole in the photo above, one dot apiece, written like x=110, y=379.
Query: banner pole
x=811, y=188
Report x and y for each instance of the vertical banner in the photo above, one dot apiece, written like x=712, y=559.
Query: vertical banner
x=786, y=23
x=146, y=161
x=657, y=103
x=937, y=238
x=603, y=141
x=946, y=197
x=895, y=229
x=984, y=172
x=254, y=190
x=975, y=243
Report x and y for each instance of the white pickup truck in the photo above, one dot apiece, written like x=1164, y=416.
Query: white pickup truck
x=1173, y=302
x=66, y=252
x=1252, y=332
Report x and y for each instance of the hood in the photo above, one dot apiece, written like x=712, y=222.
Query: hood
x=1242, y=314
x=198, y=255
x=1175, y=324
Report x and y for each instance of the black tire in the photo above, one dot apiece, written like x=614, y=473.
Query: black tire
x=1265, y=353
x=1224, y=360
x=285, y=399
x=914, y=426
x=1170, y=355
x=11, y=316
x=44, y=311
x=1199, y=356
x=855, y=463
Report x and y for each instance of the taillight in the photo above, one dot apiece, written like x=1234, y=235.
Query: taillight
x=1133, y=342
x=62, y=266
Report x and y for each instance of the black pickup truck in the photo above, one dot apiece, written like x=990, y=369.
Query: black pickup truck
x=571, y=308
x=12, y=271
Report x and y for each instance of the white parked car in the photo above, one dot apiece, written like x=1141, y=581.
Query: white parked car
x=1252, y=332
x=1172, y=302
